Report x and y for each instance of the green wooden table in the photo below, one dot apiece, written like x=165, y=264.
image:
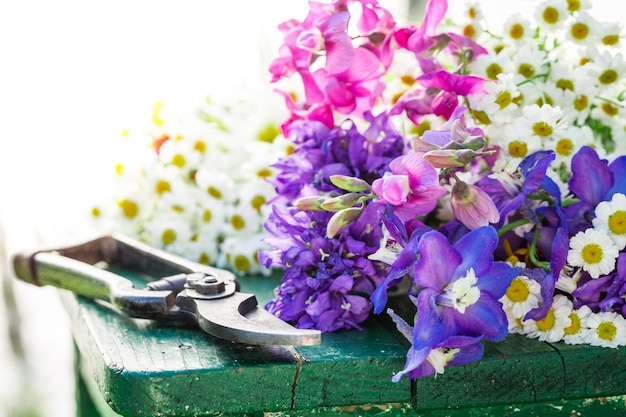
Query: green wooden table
x=133, y=367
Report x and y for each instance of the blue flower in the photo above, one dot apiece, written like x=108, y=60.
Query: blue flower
x=461, y=285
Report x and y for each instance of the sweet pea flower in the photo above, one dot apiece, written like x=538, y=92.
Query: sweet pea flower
x=472, y=206
x=412, y=186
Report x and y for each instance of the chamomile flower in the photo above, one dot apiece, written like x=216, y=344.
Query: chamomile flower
x=517, y=29
x=574, y=6
x=551, y=14
x=529, y=62
x=577, y=332
x=593, y=251
x=611, y=35
x=611, y=218
x=582, y=30
x=522, y=296
x=216, y=184
x=606, y=329
x=545, y=122
x=608, y=112
x=489, y=66
x=574, y=138
x=552, y=327
x=608, y=70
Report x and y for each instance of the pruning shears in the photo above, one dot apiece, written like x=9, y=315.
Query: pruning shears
x=185, y=290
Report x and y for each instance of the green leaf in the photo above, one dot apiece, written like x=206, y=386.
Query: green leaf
x=349, y=183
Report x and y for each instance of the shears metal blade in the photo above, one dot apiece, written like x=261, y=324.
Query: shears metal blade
x=184, y=290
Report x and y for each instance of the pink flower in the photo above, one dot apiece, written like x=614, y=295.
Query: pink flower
x=412, y=186
x=472, y=206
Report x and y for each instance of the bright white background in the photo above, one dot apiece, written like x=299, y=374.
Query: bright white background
x=73, y=74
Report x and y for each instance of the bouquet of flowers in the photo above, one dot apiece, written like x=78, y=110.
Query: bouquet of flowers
x=478, y=173
x=195, y=182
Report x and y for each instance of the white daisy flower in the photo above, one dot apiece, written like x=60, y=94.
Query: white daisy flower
x=241, y=254
x=610, y=113
x=552, y=327
x=583, y=30
x=611, y=35
x=517, y=29
x=545, y=122
x=574, y=6
x=606, y=329
x=611, y=218
x=608, y=70
x=551, y=14
x=522, y=296
x=529, y=62
x=593, y=251
x=572, y=141
x=489, y=66
x=577, y=332
x=218, y=185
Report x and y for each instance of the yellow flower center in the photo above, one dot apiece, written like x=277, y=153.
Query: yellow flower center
x=156, y=117
x=95, y=212
x=481, y=117
x=264, y=173
x=581, y=103
x=178, y=160
x=592, y=253
x=518, y=149
x=257, y=202
x=238, y=222
x=421, y=128
x=214, y=192
x=573, y=5
x=206, y=215
x=129, y=208
x=518, y=291
x=617, y=222
x=516, y=31
x=504, y=99
x=542, y=129
x=407, y=79
x=269, y=134
x=606, y=331
x=204, y=259
x=546, y=99
x=178, y=208
x=610, y=40
x=119, y=169
x=469, y=31
x=200, y=146
x=609, y=109
x=493, y=70
x=241, y=263
x=471, y=12
x=608, y=77
x=168, y=236
x=526, y=70
x=564, y=147
x=547, y=323
x=565, y=84
x=579, y=31
x=162, y=186
x=550, y=15
x=575, y=326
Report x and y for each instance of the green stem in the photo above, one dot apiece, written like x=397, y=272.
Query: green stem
x=512, y=226
x=533, y=255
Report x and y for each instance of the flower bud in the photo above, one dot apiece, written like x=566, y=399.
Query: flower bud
x=341, y=220
x=310, y=203
x=472, y=206
x=341, y=202
x=349, y=183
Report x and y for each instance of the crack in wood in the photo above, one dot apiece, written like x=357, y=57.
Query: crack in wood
x=298, y=359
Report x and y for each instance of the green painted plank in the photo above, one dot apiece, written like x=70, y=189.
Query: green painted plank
x=143, y=367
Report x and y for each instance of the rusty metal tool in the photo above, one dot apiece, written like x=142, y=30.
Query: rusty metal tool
x=185, y=290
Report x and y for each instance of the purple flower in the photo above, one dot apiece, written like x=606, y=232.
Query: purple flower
x=461, y=285
x=455, y=351
x=593, y=180
x=511, y=193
